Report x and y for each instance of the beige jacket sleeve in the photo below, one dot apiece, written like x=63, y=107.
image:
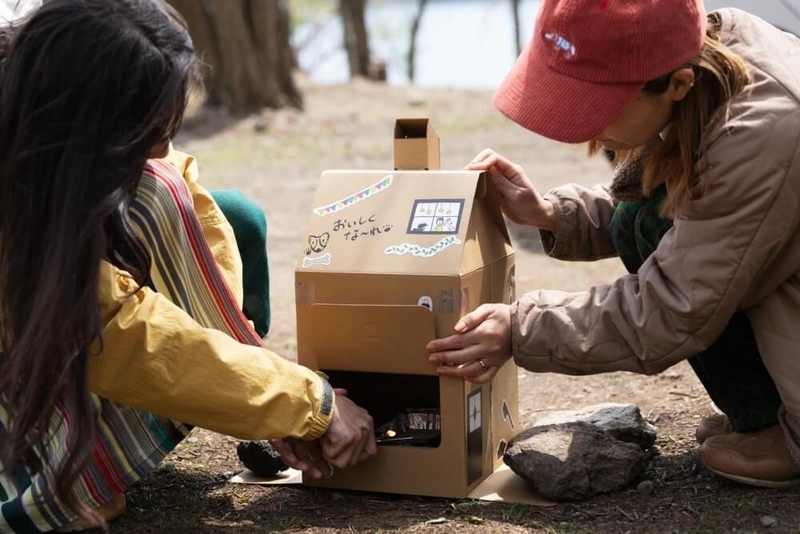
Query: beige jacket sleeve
x=174, y=367
x=686, y=292
x=583, y=218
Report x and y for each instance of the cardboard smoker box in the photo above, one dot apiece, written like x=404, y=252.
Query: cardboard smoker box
x=392, y=260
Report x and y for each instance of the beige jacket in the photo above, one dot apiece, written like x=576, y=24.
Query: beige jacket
x=739, y=250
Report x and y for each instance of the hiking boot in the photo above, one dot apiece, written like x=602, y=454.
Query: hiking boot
x=758, y=458
x=713, y=425
x=108, y=511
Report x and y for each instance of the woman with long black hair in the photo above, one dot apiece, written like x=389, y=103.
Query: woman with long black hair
x=112, y=306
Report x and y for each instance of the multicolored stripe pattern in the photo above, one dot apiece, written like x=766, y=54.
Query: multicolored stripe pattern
x=130, y=443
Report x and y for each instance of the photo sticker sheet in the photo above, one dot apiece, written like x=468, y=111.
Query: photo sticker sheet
x=436, y=216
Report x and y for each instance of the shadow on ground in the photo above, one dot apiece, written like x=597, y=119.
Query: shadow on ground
x=176, y=500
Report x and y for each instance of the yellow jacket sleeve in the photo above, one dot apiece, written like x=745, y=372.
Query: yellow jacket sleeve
x=174, y=367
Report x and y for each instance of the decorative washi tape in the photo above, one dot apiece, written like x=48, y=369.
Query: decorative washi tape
x=355, y=198
x=427, y=252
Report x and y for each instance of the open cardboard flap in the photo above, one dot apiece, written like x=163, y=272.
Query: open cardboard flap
x=501, y=486
x=383, y=339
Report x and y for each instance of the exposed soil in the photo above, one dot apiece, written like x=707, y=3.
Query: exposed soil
x=276, y=158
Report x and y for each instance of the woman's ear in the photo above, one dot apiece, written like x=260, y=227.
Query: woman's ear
x=161, y=149
x=680, y=84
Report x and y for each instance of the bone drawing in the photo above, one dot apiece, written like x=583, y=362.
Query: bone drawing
x=325, y=259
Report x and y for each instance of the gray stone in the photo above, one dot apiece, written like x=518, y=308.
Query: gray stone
x=260, y=458
x=646, y=487
x=623, y=421
x=573, y=461
x=768, y=521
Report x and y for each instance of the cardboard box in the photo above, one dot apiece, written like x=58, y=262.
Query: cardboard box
x=392, y=260
x=416, y=145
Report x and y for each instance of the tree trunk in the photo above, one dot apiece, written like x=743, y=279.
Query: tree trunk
x=246, y=44
x=356, y=40
x=412, y=44
x=517, y=27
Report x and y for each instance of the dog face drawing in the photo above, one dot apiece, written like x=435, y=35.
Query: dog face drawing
x=318, y=243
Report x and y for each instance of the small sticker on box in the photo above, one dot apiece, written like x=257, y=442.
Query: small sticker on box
x=325, y=259
x=426, y=302
x=446, y=301
x=436, y=216
x=424, y=252
x=507, y=417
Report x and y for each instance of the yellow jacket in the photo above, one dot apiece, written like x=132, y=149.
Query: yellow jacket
x=155, y=357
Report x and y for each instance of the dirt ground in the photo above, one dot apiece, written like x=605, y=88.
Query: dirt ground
x=276, y=158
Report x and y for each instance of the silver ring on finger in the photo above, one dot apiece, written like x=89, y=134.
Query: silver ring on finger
x=483, y=365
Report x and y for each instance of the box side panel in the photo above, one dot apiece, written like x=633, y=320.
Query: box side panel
x=494, y=283
x=504, y=411
x=485, y=241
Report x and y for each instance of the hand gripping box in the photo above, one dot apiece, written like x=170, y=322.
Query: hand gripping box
x=391, y=261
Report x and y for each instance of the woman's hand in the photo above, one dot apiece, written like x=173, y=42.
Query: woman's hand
x=351, y=436
x=480, y=346
x=519, y=199
x=305, y=456
x=349, y=439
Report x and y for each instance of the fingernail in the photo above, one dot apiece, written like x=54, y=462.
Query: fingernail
x=433, y=360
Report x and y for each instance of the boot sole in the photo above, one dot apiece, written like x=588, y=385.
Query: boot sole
x=755, y=481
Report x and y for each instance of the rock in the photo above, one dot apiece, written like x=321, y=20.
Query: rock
x=768, y=521
x=573, y=461
x=623, y=421
x=416, y=99
x=646, y=487
x=260, y=458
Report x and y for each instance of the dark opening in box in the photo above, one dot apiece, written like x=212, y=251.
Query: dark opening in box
x=405, y=408
x=411, y=129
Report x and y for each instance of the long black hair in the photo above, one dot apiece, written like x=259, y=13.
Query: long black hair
x=87, y=89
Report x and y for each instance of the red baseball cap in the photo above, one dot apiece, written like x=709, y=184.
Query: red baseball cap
x=588, y=59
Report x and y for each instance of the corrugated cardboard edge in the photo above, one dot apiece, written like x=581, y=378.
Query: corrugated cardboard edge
x=501, y=486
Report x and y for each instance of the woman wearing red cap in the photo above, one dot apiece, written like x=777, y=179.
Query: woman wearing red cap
x=702, y=113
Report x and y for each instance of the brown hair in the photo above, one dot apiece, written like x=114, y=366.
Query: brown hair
x=720, y=75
